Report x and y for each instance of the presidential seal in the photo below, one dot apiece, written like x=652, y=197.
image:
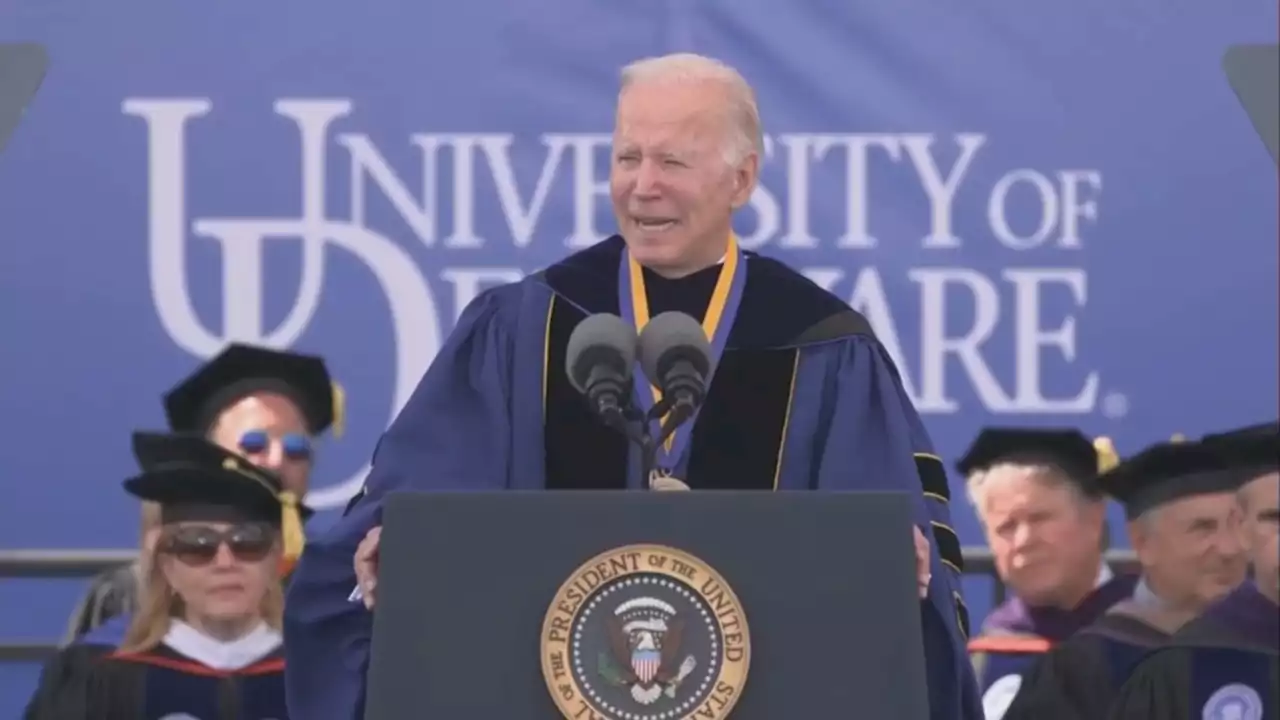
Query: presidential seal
x=645, y=632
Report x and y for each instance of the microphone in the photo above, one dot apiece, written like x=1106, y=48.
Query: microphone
x=676, y=355
x=599, y=358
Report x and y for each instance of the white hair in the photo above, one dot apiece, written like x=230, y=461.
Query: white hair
x=1050, y=474
x=744, y=114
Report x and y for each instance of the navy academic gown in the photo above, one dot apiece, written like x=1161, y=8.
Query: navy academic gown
x=804, y=397
x=1016, y=635
x=163, y=684
x=1224, y=665
x=1078, y=679
x=99, y=684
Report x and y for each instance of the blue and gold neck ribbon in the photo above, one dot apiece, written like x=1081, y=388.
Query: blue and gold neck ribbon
x=717, y=322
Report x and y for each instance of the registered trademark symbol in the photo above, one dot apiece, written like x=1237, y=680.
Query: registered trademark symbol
x=1115, y=405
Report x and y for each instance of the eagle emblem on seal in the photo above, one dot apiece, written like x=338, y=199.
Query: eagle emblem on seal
x=644, y=653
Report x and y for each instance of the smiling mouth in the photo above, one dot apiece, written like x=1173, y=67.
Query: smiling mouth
x=654, y=225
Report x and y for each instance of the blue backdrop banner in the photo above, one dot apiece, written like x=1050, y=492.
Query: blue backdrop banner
x=1052, y=213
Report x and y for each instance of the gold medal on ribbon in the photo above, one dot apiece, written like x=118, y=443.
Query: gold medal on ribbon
x=664, y=482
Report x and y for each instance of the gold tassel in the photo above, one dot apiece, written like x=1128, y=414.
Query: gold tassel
x=339, y=410
x=1108, y=459
x=290, y=530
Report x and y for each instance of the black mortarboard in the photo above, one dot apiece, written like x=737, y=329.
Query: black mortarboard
x=1169, y=471
x=1067, y=449
x=1252, y=449
x=239, y=370
x=193, y=479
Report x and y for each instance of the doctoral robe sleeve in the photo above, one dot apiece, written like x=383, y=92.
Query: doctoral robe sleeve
x=1157, y=689
x=453, y=434
x=64, y=688
x=877, y=441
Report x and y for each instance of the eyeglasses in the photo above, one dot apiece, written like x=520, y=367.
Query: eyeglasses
x=199, y=545
x=296, y=446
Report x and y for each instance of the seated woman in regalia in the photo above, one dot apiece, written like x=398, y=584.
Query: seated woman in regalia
x=205, y=643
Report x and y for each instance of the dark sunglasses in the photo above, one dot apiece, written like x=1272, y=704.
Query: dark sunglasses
x=296, y=446
x=196, y=545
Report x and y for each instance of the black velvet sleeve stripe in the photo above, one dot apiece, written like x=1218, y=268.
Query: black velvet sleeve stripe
x=933, y=477
x=948, y=547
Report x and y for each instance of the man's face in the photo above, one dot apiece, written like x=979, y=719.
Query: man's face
x=270, y=431
x=1045, y=537
x=1190, y=549
x=1261, y=504
x=673, y=191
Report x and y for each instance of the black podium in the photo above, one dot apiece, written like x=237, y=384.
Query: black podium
x=647, y=606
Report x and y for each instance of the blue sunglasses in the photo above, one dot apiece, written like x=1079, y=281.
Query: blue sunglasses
x=295, y=445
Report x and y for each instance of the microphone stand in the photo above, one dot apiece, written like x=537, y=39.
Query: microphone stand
x=635, y=425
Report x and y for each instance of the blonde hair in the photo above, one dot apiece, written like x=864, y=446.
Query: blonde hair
x=150, y=517
x=745, y=136
x=159, y=603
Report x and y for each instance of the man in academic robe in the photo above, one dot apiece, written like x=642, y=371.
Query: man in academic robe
x=802, y=395
x=1180, y=500
x=1225, y=664
x=265, y=405
x=1036, y=494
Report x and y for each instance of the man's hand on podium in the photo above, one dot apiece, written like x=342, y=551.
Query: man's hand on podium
x=366, y=563
x=923, y=575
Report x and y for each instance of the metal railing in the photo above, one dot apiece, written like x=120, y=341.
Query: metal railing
x=76, y=564
x=45, y=564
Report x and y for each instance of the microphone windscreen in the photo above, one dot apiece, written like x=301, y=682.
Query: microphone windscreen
x=673, y=335
x=599, y=339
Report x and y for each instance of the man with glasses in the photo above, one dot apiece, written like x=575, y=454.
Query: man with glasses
x=263, y=404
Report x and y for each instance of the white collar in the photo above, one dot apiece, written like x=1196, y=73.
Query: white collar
x=1104, y=575
x=1144, y=596
x=219, y=655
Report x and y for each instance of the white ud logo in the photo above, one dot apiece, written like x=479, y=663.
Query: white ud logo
x=244, y=239
x=571, y=159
